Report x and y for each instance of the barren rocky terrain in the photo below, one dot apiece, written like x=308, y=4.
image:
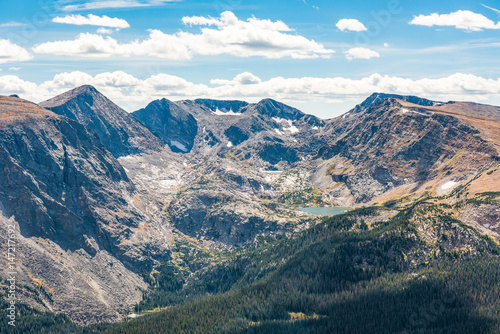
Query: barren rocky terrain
x=102, y=198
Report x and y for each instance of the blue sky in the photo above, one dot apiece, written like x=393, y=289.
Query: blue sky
x=322, y=57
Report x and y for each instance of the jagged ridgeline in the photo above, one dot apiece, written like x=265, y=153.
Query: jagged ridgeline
x=118, y=131
x=183, y=217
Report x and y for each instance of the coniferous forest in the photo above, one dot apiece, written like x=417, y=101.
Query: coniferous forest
x=342, y=275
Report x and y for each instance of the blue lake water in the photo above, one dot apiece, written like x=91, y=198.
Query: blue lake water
x=326, y=211
x=270, y=171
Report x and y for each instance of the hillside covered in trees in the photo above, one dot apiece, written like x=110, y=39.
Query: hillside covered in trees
x=373, y=270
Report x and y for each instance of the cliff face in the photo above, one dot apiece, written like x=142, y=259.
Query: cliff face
x=60, y=175
x=269, y=131
x=212, y=215
x=173, y=125
x=394, y=142
x=119, y=132
x=377, y=97
x=69, y=198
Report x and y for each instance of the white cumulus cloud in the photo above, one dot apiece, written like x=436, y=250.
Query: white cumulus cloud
x=10, y=52
x=12, y=84
x=361, y=53
x=93, y=20
x=86, y=44
x=133, y=93
x=229, y=35
x=462, y=19
x=350, y=25
x=245, y=78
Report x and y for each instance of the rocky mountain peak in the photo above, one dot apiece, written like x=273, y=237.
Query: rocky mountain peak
x=71, y=94
x=68, y=196
x=173, y=125
x=161, y=103
x=272, y=108
x=118, y=130
x=376, y=97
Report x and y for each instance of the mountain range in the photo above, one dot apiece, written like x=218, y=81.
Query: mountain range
x=106, y=200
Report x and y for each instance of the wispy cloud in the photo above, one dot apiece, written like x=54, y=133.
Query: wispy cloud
x=105, y=31
x=462, y=19
x=449, y=48
x=229, y=35
x=305, y=3
x=89, y=5
x=493, y=9
x=12, y=24
x=93, y=20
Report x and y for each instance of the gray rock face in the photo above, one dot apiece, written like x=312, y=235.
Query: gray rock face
x=88, y=287
x=276, y=152
x=214, y=214
x=272, y=108
x=70, y=188
x=376, y=97
x=173, y=125
x=119, y=132
x=389, y=145
x=244, y=129
x=71, y=202
x=223, y=106
x=263, y=130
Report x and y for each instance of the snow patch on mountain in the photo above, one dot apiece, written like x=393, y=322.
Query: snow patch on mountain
x=226, y=113
x=291, y=128
x=406, y=111
x=179, y=145
x=449, y=185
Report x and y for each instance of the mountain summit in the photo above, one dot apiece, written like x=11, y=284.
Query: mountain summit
x=118, y=130
x=377, y=97
x=176, y=127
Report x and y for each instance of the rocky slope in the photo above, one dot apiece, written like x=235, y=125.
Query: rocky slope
x=222, y=192
x=387, y=148
x=218, y=201
x=395, y=143
x=71, y=201
x=119, y=131
x=90, y=221
x=173, y=125
x=271, y=133
x=376, y=97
